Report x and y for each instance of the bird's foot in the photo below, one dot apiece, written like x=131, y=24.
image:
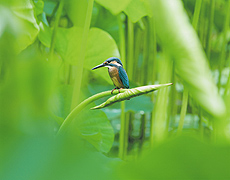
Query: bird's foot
x=120, y=90
x=113, y=90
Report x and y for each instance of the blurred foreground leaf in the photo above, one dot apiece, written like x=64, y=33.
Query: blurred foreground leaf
x=45, y=158
x=180, y=40
x=24, y=11
x=25, y=96
x=130, y=93
x=181, y=158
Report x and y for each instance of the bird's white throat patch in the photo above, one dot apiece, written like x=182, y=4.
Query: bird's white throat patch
x=109, y=67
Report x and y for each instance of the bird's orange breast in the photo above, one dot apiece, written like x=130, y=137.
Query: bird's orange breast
x=114, y=75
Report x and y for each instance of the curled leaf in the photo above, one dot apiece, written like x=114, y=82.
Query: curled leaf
x=130, y=93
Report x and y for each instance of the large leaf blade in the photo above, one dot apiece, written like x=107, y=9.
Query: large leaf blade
x=114, y=6
x=27, y=26
x=96, y=129
x=186, y=157
x=100, y=47
x=138, y=9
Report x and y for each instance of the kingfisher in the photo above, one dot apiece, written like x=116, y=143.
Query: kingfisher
x=116, y=72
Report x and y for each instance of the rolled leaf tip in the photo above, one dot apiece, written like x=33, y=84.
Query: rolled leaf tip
x=130, y=93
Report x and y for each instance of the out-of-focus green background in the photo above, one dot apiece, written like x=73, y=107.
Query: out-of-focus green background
x=47, y=51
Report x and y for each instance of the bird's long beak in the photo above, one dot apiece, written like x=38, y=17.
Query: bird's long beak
x=98, y=66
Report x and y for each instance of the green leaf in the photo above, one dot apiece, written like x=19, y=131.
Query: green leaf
x=93, y=126
x=36, y=154
x=24, y=12
x=180, y=40
x=107, y=22
x=100, y=47
x=8, y=22
x=45, y=34
x=114, y=6
x=130, y=93
x=39, y=5
x=49, y=7
x=138, y=9
x=68, y=44
x=96, y=129
x=181, y=158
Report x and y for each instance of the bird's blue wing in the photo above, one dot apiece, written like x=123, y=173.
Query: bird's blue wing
x=124, y=77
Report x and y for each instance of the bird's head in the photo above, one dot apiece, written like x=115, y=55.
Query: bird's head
x=111, y=62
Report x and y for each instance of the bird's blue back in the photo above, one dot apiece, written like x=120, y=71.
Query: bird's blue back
x=123, y=76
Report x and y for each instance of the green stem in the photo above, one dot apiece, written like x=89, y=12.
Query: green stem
x=151, y=47
x=142, y=131
x=69, y=74
x=82, y=105
x=196, y=14
x=201, y=128
x=183, y=110
x=123, y=139
x=227, y=88
x=159, y=116
x=141, y=24
x=122, y=41
x=54, y=11
x=145, y=73
x=1, y=70
x=153, y=28
x=138, y=40
x=223, y=50
x=194, y=23
x=185, y=93
x=130, y=49
x=139, y=43
x=174, y=96
x=214, y=133
x=203, y=24
x=123, y=134
x=78, y=79
x=210, y=25
x=54, y=34
x=172, y=103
